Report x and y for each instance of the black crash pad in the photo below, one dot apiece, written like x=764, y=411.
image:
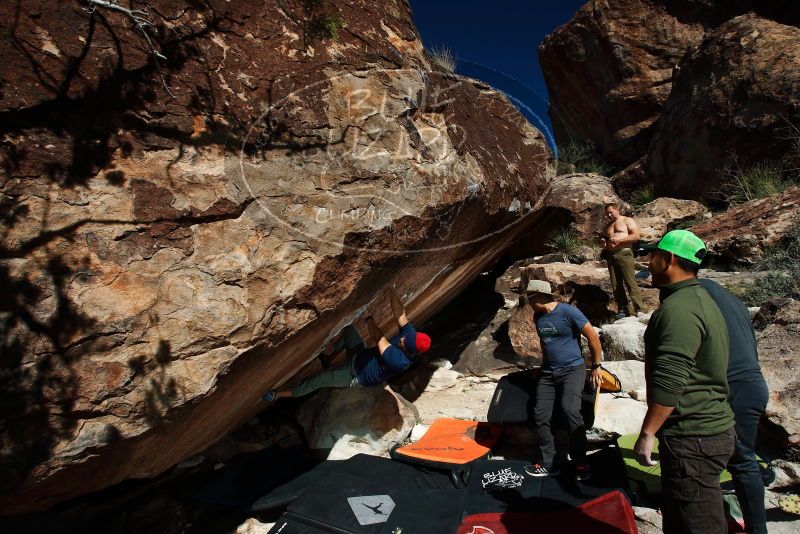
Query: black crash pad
x=368, y=494
x=503, y=485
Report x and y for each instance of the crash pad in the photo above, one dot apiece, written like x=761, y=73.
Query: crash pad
x=251, y=475
x=368, y=494
x=450, y=444
x=610, y=513
x=281, y=495
x=504, y=486
x=645, y=479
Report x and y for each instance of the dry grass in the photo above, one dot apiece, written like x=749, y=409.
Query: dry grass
x=443, y=58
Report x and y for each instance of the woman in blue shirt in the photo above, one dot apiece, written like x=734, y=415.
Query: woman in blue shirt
x=563, y=374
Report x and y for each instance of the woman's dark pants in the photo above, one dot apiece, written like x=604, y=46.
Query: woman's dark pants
x=562, y=387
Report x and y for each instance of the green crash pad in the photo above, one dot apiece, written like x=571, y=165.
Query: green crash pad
x=643, y=478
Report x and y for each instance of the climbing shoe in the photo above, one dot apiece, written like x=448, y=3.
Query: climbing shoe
x=538, y=470
x=269, y=396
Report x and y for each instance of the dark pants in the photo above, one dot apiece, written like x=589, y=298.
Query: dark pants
x=343, y=376
x=563, y=387
x=350, y=340
x=622, y=270
x=690, y=491
x=748, y=399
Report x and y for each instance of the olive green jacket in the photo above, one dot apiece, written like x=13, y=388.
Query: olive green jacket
x=686, y=361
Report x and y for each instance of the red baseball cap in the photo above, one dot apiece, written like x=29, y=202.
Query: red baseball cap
x=422, y=343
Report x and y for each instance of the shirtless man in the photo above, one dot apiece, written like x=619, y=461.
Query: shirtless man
x=617, y=239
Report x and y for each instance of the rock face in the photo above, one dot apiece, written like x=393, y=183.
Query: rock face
x=630, y=373
x=523, y=334
x=734, y=97
x=609, y=72
x=356, y=420
x=584, y=196
x=617, y=66
x=656, y=218
x=631, y=177
x=744, y=232
x=624, y=339
x=778, y=336
x=182, y=234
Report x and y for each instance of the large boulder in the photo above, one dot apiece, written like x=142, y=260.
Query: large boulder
x=611, y=68
x=624, y=339
x=730, y=105
x=356, y=421
x=586, y=285
x=631, y=178
x=630, y=373
x=778, y=338
x=609, y=71
x=182, y=234
x=584, y=197
x=564, y=276
x=620, y=414
x=656, y=218
x=523, y=334
x=743, y=233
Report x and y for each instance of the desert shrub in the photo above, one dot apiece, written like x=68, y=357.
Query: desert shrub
x=564, y=241
x=596, y=166
x=323, y=23
x=791, y=160
x=443, y=58
x=330, y=25
x=759, y=180
x=643, y=195
x=583, y=156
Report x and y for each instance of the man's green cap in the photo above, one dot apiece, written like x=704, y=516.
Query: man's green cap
x=683, y=244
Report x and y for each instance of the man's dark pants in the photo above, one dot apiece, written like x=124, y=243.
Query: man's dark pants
x=690, y=491
x=562, y=387
x=748, y=399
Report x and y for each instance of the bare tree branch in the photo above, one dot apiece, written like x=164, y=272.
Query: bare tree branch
x=138, y=18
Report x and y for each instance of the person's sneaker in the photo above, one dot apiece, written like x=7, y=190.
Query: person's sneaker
x=538, y=470
x=582, y=472
x=269, y=396
x=620, y=315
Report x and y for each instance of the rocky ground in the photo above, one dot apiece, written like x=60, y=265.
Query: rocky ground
x=440, y=390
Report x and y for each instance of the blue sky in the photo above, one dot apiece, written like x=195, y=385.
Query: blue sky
x=496, y=42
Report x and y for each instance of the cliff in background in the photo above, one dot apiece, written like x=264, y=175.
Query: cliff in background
x=679, y=91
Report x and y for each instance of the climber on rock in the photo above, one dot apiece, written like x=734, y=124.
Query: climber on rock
x=364, y=366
